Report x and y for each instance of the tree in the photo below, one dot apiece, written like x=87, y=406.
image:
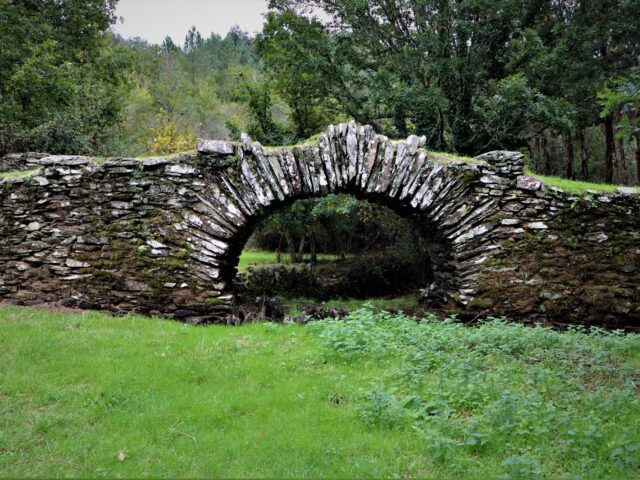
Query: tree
x=192, y=44
x=263, y=128
x=622, y=99
x=180, y=94
x=593, y=43
x=410, y=66
x=304, y=80
x=512, y=113
x=469, y=74
x=62, y=79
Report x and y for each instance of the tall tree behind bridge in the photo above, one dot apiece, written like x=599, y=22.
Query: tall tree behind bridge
x=471, y=75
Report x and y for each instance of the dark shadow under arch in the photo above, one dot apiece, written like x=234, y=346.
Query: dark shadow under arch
x=436, y=245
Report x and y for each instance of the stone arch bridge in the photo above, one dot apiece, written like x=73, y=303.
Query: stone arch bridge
x=163, y=235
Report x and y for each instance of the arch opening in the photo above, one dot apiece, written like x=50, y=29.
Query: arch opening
x=333, y=247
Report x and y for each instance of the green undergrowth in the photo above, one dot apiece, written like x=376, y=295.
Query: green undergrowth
x=575, y=186
x=409, y=302
x=372, y=396
x=18, y=173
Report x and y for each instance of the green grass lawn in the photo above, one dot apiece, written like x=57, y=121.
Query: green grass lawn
x=376, y=395
x=259, y=258
x=575, y=186
x=18, y=173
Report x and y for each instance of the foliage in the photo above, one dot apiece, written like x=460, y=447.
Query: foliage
x=298, y=75
x=410, y=303
x=394, y=271
x=387, y=254
x=336, y=223
x=470, y=75
x=499, y=392
x=514, y=113
x=184, y=93
x=371, y=59
x=360, y=276
x=556, y=78
x=278, y=280
x=263, y=128
x=166, y=140
x=62, y=80
x=623, y=99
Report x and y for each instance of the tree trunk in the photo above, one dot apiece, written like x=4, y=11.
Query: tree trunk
x=312, y=247
x=638, y=159
x=584, y=158
x=546, y=168
x=301, y=248
x=623, y=171
x=340, y=244
x=278, y=250
x=537, y=154
x=291, y=248
x=568, y=151
x=610, y=150
x=441, y=129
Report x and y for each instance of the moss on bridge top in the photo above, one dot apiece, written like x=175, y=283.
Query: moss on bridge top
x=18, y=174
x=577, y=187
x=170, y=157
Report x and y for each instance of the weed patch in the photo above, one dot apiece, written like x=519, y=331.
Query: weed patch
x=533, y=402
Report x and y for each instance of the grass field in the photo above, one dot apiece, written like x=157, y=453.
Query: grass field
x=88, y=395
x=18, y=173
x=258, y=258
x=575, y=186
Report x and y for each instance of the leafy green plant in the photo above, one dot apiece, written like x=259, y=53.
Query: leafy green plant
x=498, y=390
x=382, y=409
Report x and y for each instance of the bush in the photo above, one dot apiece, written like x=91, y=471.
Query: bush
x=378, y=276
x=280, y=281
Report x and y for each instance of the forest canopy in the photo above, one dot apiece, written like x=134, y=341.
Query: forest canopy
x=558, y=81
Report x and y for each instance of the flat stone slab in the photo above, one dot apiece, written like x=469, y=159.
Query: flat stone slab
x=215, y=147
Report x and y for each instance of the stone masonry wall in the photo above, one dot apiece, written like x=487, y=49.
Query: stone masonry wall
x=20, y=161
x=581, y=267
x=163, y=236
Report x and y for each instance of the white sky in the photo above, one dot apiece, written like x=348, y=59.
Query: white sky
x=155, y=19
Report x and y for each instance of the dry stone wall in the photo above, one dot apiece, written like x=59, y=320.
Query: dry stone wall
x=20, y=161
x=163, y=236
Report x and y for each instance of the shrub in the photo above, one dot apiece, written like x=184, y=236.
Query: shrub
x=280, y=281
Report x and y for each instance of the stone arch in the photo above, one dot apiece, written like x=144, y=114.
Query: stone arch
x=249, y=182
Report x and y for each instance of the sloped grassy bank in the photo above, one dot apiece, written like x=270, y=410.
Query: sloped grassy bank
x=375, y=395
